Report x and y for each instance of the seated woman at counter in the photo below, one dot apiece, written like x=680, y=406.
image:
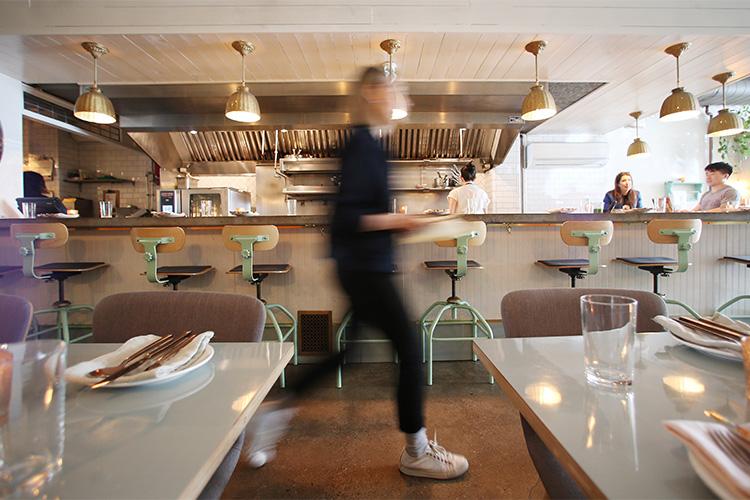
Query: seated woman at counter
x=720, y=195
x=468, y=198
x=623, y=196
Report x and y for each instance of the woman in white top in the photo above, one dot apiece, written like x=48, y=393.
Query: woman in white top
x=468, y=198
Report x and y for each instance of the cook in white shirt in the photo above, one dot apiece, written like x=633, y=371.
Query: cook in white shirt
x=468, y=198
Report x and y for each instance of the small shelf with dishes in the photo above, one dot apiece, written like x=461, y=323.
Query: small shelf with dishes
x=106, y=180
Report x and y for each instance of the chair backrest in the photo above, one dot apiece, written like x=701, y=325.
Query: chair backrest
x=271, y=231
x=466, y=227
x=655, y=225
x=16, y=313
x=158, y=232
x=59, y=230
x=232, y=317
x=567, y=229
x=552, y=312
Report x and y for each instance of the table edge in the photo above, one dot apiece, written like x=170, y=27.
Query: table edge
x=557, y=449
x=200, y=480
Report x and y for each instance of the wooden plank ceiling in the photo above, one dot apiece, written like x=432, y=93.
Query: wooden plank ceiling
x=638, y=74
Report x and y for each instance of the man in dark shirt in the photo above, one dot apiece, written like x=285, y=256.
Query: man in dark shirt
x=361, y=245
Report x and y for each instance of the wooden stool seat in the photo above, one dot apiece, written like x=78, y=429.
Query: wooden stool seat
x=648, y=261
x=564, y=263
x=183, y=270
x=742, y=259
x=70, y=267
x=263, y=269
x=449, y=265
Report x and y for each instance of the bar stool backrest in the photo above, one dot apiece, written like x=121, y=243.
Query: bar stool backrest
x=272, y=232
x=568, y=228
x=465, y=228
x=158, y=232
x=654, y=227
x=59, y=230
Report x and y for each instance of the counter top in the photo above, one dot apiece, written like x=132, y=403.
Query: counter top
x=323, y=220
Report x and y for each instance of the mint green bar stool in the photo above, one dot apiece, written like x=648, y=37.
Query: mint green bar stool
x=742, y=259
x=467, y=234
x=591, y=234
x=150, y=241
x=250, y=239
x=32, y=237
x=683, y=233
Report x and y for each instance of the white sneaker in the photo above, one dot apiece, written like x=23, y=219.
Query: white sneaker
x=435, y=463
x=265, y=430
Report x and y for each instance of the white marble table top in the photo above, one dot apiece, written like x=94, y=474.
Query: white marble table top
x=614, y=444
x=165, y=440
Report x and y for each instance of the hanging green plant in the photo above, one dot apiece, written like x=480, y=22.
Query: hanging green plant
x=739, y=144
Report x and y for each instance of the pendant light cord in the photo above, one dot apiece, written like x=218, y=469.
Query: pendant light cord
x=637, y=134
x=96, y=72
x=536, y=69
x=678, y=71
x=243, y=69
x=724, y=95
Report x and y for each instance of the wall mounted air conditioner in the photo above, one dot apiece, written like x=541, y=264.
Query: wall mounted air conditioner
x=566, y=154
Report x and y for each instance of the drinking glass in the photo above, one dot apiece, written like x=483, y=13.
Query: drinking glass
x=207, y=208
x=105, y=209
x=598, y=207
x=29, y=209
x=661, y=204
x=291, y=207
x=32, y=415
x=608, y=325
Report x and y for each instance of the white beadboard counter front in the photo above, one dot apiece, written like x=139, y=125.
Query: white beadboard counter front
x=514, y=242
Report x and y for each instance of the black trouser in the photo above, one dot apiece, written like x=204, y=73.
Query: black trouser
x=376, y=301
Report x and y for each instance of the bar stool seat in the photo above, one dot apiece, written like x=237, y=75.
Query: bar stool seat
x=263, y=269
x=591, y=234
x=450, y=265
x=648, y=261
x=70, y=267
x=742, y=259
x=564, y=263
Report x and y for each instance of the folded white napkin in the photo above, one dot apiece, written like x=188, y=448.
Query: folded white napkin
x=697, y=337
x=726, y=470
x=78, y=373
x=563, y=210
x=167, y=214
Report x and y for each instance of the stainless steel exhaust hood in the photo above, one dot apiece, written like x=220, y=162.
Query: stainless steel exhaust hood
x=177, y=125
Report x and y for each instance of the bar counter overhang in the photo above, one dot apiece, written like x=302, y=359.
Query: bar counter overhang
x=514, y=243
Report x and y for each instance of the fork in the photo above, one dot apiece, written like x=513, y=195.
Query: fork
x=729, y=445
x=109, y=370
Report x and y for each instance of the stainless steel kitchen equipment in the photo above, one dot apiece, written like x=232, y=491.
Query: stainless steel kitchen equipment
x=215, y=202
x=169, y=200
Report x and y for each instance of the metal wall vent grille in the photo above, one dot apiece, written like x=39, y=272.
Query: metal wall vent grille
x=65, y=115
x=315, y=330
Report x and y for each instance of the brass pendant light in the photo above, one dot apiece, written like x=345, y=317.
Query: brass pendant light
x=637, y=148
x=725, y=123
x=242, y=106
x=539, y=103
x=680, y=105
x=400, y=105
x=93, y=106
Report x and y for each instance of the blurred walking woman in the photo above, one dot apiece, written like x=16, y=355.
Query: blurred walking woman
x=623, y=196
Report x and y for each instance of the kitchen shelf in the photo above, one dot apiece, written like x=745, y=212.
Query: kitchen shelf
x=100, y=181
x=423, y=190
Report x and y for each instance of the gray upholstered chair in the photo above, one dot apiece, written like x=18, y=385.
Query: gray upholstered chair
x=16, y=313
x=232, y=318
x=557, y=312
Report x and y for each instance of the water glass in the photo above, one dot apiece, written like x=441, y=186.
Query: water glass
x=29, y=209
x=32, y=415
x=291, y=207
x=598, y=207
x=661, y=204
x=207, y=208
x=608, y=325
x=105, y=209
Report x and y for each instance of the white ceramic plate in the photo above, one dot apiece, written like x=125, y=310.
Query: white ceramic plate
x=59, y=216
x=709, y=480
x=196, y=363
x=711, y=351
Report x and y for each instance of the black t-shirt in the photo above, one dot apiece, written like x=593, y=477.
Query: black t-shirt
x=364, y=191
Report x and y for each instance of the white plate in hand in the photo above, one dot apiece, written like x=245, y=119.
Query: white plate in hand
x=192, y=365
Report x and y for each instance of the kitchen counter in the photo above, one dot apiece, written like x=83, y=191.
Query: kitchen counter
x=322, y=220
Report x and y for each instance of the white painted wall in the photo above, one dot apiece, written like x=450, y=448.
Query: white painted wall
x=11, y=163
x=677, y=150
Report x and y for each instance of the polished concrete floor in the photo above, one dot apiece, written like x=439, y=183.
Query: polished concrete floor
x=344, y=443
